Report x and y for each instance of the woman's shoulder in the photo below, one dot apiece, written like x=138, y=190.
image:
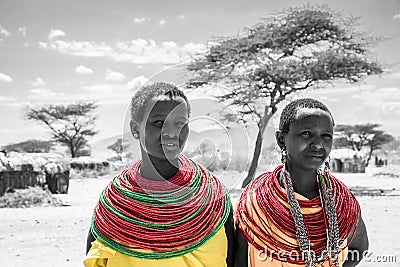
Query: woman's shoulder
x=266, y=178
x=337, y=183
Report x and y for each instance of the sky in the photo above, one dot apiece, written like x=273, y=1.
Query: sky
x=54, y=51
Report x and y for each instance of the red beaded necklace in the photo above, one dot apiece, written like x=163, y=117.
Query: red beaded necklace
x=166, y=218
x=264, y=202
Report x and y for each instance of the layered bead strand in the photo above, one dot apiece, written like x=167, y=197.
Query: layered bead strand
x=267, y=201
x=163, y=218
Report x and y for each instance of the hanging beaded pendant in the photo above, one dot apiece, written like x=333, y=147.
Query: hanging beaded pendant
x=302, y=236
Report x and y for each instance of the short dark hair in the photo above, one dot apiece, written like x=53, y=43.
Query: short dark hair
x=150, y=91
x=290, y=111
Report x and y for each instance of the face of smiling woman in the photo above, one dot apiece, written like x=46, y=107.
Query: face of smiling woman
x=164, y=129
x=309, y=140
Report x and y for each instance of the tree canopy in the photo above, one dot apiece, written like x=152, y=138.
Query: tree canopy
x=70, y=124
x=298, y=48
x=120, y=147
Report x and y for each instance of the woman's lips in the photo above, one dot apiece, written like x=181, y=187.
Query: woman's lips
x=170, y=146
x=316, y=155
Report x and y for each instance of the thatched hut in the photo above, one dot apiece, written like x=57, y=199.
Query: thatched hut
x=347, y=160
x=20, y=170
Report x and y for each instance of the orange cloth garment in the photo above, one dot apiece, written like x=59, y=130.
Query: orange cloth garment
x=264, y=218
x=259, y=259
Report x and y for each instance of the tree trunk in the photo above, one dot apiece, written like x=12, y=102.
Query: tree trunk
x=254, y=161
x=72, y=150
x=73, y=154
x=369, y=157
x=257, y=148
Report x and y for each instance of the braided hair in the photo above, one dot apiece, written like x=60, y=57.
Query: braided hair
x=289, y=113
x=151, y=91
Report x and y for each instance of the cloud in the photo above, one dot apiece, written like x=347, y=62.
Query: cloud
x=136, y=83
x=105, y=94
x=5, y=78
x=392, y=74
x=376, y=97
x=383, y=103
x=339, y=90
x=104, y=89
x=78, y=48
x=142, y=51
x=6, y=99
x=181, y=17
x=45, y=94
x=114, y=76
x=4, y=32
x=138, y=51
x=397, y=16
x=22, y=31
x=83, y=70
x=38, y=83
x=162, y=22
x=141, y=20
x=55, y=33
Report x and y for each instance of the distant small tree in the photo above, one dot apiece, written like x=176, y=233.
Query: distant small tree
x=30, y=146
x=296, y=49
x=378, y=140
x=70, y=124
x=361, y=136
x=119, y=147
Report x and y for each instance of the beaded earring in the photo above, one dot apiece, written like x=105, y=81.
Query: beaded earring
x=136, y=136
x=328, y=204
x=283, y=155
x=327, y=166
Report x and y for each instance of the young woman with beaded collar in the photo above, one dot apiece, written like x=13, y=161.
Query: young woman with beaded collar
x=164, y=210
x=299, y=214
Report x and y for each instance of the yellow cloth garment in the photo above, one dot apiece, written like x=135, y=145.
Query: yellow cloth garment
x=258, y=259
x=211, y=254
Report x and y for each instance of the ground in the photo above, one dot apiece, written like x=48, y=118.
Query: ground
x=56, y=236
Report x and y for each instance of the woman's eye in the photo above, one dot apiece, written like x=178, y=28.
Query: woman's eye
x=305, y=133
x=328, y=136
x=159, y=123
x=181, y=123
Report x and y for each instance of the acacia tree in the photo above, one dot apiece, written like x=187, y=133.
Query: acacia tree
x=362, y=136
x=119, y=147
x=296, y=49
x=70, y=124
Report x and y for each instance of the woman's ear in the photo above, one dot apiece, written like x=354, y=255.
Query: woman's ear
x=134, y=129
x=280, y=139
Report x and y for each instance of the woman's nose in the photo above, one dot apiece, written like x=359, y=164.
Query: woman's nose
x=317, y=143
x=169, y=134
x=169, y=131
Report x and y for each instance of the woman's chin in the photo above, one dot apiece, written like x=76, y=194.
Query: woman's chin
x=171, y=155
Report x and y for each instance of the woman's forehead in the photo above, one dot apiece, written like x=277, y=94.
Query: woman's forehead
x=304, y=112
x=164, y=105
x=311, y=116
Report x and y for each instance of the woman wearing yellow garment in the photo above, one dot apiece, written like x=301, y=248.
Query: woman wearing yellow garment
x=163, y=210
x=299, y=214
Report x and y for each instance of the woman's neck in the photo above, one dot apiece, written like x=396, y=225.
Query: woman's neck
x=304, y=181
x=158, y=169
